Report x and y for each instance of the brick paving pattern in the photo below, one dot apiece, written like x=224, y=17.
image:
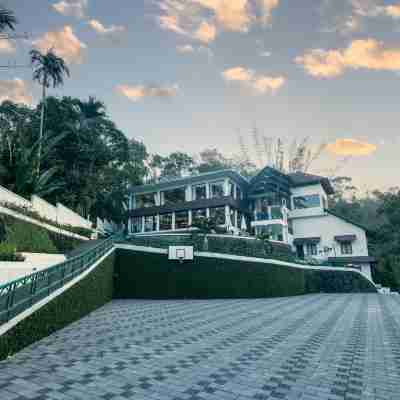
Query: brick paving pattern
x=315, y=347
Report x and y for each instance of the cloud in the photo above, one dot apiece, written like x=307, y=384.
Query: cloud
x=206, y=32
x=6, y=47
x=71, y=8
x=15, y=90
x=360, y=54
x=183, y=49
x=393, y=11
x=64, y=43
x=351, y=147
x=203, y=19
x=98, y=27
x=139, y=92
x=259, y=83
x=267, y=6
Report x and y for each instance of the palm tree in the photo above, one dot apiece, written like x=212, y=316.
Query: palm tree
x=7, y=19
x=49, y=69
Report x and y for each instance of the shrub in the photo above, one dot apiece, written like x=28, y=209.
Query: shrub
x=8, y=252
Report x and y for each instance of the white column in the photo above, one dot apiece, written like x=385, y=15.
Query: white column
x=227, y=217
x=226, y=187
x=173, y=221
x=142, y=224
x=236, y=220
x=190, y=218
x=188, y=194
x=208, y=194
x=207, y=212
x=158, y=223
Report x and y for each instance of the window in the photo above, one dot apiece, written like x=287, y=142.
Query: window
x=217, y=189
x=231, y=189
x=346, y=248
x=310, y=201
x=199, y=192
x=145, y=200
x=136, y=226
x=218, y=215
x=312, y=249
x=181, y=220
x=199, y=214
x=150, y=223
x=165, y=222
x=173, y=196
x=238, y=192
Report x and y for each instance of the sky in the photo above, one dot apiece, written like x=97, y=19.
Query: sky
x=184, y=75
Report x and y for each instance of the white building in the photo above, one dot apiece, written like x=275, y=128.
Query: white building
x=289, y=208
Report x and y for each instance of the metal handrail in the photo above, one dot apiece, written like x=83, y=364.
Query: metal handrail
x=20, y=294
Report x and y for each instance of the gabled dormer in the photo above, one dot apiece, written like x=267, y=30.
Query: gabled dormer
x=309, y=194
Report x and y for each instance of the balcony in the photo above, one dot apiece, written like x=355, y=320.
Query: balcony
x=273, y=213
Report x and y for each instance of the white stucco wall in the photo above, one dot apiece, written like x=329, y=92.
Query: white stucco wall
x=307, y=191
x=328, y=226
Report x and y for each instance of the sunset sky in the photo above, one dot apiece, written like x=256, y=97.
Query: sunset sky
x=190, y=74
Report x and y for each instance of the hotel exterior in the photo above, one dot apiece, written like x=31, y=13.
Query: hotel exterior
x=289, y=208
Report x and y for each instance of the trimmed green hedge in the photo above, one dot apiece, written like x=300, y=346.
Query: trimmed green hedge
x=92, y=292
x=27, y=237
x=149, y=275
x=218, y=244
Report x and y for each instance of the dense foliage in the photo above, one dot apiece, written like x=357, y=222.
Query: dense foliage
x=26, y=237
x=379, y=212
x=147, y=275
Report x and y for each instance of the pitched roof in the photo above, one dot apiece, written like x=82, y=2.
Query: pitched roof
x=303, y=179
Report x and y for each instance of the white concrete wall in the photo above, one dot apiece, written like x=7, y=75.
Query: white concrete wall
x=328, y=226
x=34, y=262
x=58, y=214
x=43, y=208
x=9, y=197
x=307, y=191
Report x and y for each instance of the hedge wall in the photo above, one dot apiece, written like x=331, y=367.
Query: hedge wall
x=32, y=238
x=92, y=292
x=149, y=275
x=218, y=244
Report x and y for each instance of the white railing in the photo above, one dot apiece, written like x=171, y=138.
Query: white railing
x=58, y=214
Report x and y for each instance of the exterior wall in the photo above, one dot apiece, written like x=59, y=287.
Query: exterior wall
x=306, y=191
x=9, y=197
x=58, y=214
x=327, y=227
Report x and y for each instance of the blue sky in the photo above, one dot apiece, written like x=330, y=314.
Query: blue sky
x=190, y=74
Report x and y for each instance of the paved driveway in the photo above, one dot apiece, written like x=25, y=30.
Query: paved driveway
x=309, y=347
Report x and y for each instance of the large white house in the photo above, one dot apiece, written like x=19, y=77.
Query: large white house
x=289, y=208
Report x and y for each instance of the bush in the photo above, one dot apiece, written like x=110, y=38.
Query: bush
x=218, y=244
x=92, y=292
x=148, y=275
x=27, y=237
x=8, y=252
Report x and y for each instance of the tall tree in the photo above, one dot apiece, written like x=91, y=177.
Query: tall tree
x=49, y=70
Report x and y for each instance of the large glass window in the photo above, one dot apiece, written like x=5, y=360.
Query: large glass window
x=218, y=215
x=199, y=214
x=145, y=200
x=150, y=223
x=136, y=226
x=217, y=189
x=165, y=222
x=199, y=192
x=181, y=219
x=312, y=249
x=173, y=196
x=309, y=201
x=346, y=248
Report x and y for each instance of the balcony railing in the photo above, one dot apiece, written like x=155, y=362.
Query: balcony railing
x=273, y=213
x=21, y=294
